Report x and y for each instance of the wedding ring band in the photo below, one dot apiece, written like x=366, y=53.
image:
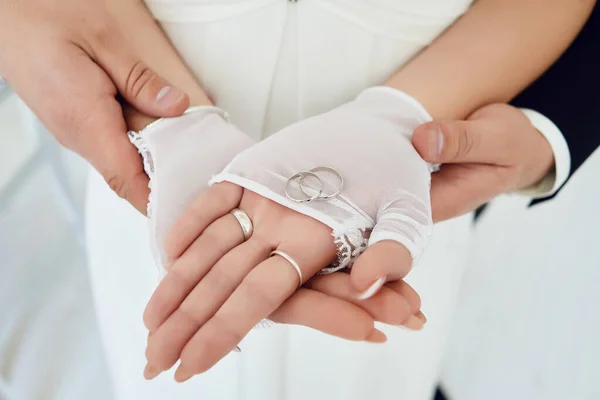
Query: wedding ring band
x=244, y=220
x=302, y=176
x=324, y=196
x=291, y=261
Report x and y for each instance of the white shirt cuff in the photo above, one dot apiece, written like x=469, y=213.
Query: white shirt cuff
x=562, y=157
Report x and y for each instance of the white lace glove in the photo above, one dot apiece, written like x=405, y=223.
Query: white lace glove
x=386, y=186
x=180, y=156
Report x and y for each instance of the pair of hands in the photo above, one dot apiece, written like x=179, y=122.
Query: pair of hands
x=93, y=63
x=217, y=293
x=219, y=286
x=495, y=151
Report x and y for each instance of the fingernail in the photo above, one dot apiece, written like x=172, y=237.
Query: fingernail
x=371, y=290
x=436, y=141
x=413, y=323
x=150, y=372
x=421, y=316
x=377, y=337
x=168, y=97
x=182, y=375
x=237, y=349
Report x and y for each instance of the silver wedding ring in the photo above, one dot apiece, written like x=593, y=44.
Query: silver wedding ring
x=291, y=261
x=244, y=220
x=299, y=177
x=331, y=170
x=311, y=193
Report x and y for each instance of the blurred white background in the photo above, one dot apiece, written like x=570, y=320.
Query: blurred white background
x=49, y=345
x=527, y=326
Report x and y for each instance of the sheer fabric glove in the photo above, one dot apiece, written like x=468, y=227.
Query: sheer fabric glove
x=200, y=143
x=385, y=192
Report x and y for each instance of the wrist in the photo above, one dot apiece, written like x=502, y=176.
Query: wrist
x=553, y=158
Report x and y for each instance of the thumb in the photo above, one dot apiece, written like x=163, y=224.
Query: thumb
x=472, y=141
x=381, y=262
x=115, y=158
x=88, y=119
x=138, y=84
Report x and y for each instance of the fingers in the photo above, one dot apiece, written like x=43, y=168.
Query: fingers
x=325, y=313
x=215, y=242
x=122, y=168
x=213, y=203
x=202, y=303
x=473, y=141
x=392, y=304
x=261, y=293
x=263, y=290
x=136, y=82
x=461, y=188
x=382, y=262
x=491, y=154
x=100, y=131
x=136, y=120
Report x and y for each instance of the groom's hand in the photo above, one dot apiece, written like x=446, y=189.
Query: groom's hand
x=68, y=59
x=495, y=151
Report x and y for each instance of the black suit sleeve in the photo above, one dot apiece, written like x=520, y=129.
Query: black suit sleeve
x=569, y=94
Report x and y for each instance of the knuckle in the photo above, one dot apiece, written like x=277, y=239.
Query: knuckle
x=139, y=76
x=226, y=329
x=190, y=312
x=118, y=184
x=222, y=279
x=179, y=276
x=465, y=144
x=104, y=34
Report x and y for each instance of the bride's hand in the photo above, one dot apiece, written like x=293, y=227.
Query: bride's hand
x=220, y=286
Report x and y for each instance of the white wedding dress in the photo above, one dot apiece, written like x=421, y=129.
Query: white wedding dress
x=270, y=63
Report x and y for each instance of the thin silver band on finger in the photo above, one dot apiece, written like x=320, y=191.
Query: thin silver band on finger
x=244, y=221
x=291, y=261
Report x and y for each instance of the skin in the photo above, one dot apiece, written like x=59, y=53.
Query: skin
x=260, y=283
x=339, y=312
x=92, y=61
x=89, y=46
x=481, y=158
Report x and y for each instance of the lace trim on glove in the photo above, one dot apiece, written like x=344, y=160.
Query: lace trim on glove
x=350, y=245
x=139, y=141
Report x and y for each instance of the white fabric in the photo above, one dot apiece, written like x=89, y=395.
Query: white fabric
x=180, y=155
x=270, y=64
x=527, y=325
x=562, y=157
x=50, y=348
x=388, y=194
